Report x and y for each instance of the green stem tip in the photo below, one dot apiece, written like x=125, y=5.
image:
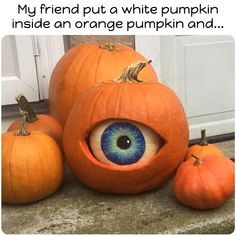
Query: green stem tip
x=203, y=140
x=198, y=161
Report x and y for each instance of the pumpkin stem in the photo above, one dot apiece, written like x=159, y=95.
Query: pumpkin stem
x=198, y=161
x=130, y=73
x=25, y=106
x=23, y=130
x=109, y=47
x=203, y=140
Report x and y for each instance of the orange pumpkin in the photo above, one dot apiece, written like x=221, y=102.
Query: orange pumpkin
x=203, y=148
x=43, y=123
x=125, y=137
x=32, y=167
x=205, y=181
x=85, y=65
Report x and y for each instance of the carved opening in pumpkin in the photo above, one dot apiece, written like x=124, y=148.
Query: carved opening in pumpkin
x=118, y=142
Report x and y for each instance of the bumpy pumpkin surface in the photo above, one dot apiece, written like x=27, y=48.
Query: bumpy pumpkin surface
x=203, y=148
x=32, y=166
x=85, y=65
x=152, y=105
x=205, y=183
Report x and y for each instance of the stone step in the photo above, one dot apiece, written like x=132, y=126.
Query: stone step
x=76, y=209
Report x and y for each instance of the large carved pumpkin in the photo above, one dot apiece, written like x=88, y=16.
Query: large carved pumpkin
x=125, y=137
x=85, y=65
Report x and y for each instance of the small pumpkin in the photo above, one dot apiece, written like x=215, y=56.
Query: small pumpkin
x=123, y=136
x=203, y=148
x=44, y=123
x=85, y=65
x=205, y=181
x=32, y=167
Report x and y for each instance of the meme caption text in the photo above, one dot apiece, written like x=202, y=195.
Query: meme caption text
x=112, y=18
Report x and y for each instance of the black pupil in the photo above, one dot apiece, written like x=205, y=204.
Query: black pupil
x=123, y=142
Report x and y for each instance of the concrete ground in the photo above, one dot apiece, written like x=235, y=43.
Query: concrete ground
x=75, y=208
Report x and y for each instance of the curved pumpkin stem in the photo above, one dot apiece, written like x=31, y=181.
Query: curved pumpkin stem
x=25, y=106
x=198, y=160
x=109, y=47
x=23, y=130
x=203, y=140
x=130, y=73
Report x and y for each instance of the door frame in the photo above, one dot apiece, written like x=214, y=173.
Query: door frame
x=25, y=80
x=48, y=51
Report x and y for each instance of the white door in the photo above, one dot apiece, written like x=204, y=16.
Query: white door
x=200, y=69
x=19, y=74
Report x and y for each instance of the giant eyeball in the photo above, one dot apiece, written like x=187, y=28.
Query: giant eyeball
x=123, y=142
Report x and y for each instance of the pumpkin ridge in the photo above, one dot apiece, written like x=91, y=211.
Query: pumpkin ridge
x=28, y=178
x=183, y=180
x=116, y=62
x=200, y=180
x=73, y=64
x=119, y=100
x=189, y=172
x=50, y=177
x=167, y=111
x=17, y=143
x=203, y=184
x=215, y=178
x=116, y=59
x=38, y=140
x=217, y=190
x=95, y=103
x=82, y=64
x=97, y=64
x=10, y=166
x=145, y=103
x=29, y=141
x=65, y=60
x=219, y=179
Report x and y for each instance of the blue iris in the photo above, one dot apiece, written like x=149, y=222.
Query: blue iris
x=123, y=143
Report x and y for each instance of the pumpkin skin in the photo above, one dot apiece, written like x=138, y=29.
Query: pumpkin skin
x=84, y=66
x=203, y=148
x=205, y=185
x=32, y=167
x=151, y=104
x=45, y=124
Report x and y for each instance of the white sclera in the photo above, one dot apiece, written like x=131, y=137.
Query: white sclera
x=153, y=141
